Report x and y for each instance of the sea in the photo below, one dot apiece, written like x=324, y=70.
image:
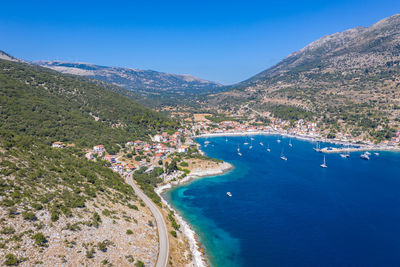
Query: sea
x=294, y=213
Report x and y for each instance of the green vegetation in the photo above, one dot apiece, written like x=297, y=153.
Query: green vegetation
x=55, y=107
x=173, y=233
x=129, y=232
x=11, y=260
x=148, y=181
x=40, y=239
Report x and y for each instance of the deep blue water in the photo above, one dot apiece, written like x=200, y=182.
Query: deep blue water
x=295, y=213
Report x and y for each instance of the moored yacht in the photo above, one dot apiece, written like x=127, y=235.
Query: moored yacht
x=364, y=156
x=323, y=165
x=228, y=194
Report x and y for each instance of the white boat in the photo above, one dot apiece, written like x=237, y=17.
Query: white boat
x=238, y=149
x=226, y=139
x=376, y=154
x=367, y=153
x=228, y=194
x=317, y=147
x=345, y=156
x=290, y=143
x=261, y=144
x=207, y=142
x=240, y=154
x=364, y=156
x=323, y=165
x=251, y=138
x=279, y=140
x=251, y=144
x=283, y=157
x=268, y=149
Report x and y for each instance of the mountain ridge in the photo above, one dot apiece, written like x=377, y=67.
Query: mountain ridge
x=136, y=80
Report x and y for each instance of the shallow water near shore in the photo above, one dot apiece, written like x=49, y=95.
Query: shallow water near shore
x=291, y=213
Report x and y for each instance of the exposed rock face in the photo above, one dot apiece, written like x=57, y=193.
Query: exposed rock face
x=139, y=81
x=356, y=71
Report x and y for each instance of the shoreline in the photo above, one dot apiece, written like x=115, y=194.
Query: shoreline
x=356, y=147
x=196, y=248
x=198, y=253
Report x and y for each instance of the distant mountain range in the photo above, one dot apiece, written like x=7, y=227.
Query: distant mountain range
x=144, y=82
x=355, y=72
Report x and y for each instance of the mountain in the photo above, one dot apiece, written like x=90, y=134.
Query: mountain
x=5, y=56
x=144, y=82
x=351, y=78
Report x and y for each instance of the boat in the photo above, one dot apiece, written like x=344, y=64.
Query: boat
x=376, y=154
x=238, y=149
x=268, y=149
x=251, y=138
x=279, y=140
x=316, y=148
x=240, y=154
x=261, y=144
x=207, y=142
x=367, y=153
x=364, y=156
x=251, y=144
x=323, y=165
x=228, y=194
x=283, y=156
x=245, y=141
x=226, y=139
x=345, y=155
x=290, y=143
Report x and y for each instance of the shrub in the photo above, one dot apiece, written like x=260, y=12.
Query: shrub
x=29, y=216
x=139, y=264
x=173, y=233
x=11, y=260
x=129, y=232
x=39, y=239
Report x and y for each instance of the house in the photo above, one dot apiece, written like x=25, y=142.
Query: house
x=110, y=158
x=118, y=168
x=58, y=145
x=138, y=143
x=182, y=149
x=158, y=138
x=99, y=149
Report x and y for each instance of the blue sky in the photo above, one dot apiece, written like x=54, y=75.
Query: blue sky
x=223, y=41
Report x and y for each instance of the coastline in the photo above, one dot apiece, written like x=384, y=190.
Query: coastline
x=199, y=258
x=356, y=146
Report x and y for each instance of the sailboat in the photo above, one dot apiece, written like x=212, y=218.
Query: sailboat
x=268, y=149
x=251, y=144
x=317, y=147
x=323, y=165
x=283, y=156
x=245, y=141
x=279, y=140
x=226, y=139
x=238, y=150
x=290, y=143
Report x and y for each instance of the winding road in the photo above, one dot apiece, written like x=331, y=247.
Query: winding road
x=162, y=259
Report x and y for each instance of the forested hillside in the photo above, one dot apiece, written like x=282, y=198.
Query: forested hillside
x=55, y=107
x=56, y=205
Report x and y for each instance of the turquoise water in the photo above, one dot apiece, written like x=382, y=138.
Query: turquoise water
x=295, y=213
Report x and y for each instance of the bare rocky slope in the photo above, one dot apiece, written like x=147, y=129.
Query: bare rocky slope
x=145, y=82
x=350, y=77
